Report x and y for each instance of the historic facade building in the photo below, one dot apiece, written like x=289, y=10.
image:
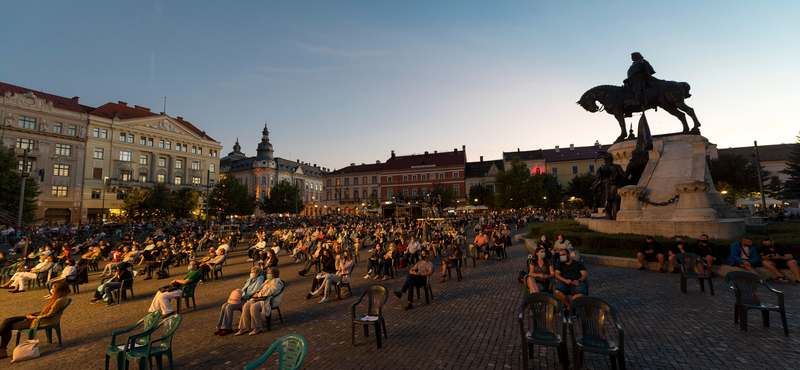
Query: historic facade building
x=482, y=173
x=262, y=172
x=348, y=189
x=132, y=148
x=53, y=130
x=414, y=175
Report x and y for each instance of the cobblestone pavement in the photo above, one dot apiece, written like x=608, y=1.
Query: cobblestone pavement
x=471, y=324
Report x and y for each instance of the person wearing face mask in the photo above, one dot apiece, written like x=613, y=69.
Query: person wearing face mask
x=707, y=251
x=543, y=243
x=261, y=303
x=481, y=244
x=576, y=256
x=56, y=303
x=676, y=248
x=20, y=279
x=540, y=271
x=570, y=278
x=104, y=291
x=161, y=302
x=237, y=299
x=417, y=277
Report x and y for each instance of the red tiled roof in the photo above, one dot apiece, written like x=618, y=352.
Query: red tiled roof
x=60, y=102
x=359, y=168
x=577, y=154
x=453, y=158
x=126, y=112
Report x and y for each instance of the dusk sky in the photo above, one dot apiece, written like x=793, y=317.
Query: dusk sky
x=341, y=82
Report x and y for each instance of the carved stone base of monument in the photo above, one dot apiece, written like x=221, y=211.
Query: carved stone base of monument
x=677, y=192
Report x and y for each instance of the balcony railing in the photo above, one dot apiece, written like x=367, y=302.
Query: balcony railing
x=31, y=152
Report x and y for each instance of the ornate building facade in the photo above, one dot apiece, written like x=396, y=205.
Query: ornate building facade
x=264, y=171
x=53, y=130
x=132, y=148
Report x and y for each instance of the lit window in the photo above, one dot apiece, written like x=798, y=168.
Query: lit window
x=98, y=153
x=61, y=170
x=29, y=166
x=178, y=180
x=125, y=156
x=125, y=175
x=143, y=159
x=161, y=177
x=59, y=191
x=142, y=177
x=196, y=180
x=25, y=143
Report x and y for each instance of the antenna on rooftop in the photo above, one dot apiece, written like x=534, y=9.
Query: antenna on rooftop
x=165, y=105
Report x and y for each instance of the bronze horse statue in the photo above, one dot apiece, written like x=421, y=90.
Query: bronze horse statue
x=616, y=100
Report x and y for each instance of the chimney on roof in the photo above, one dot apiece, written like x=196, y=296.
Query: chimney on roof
x=352, y=164
x=75, y=98
x=362, y=163
x=597, y=143
x=481, y=158
x=122, y=103
x=435, y=151
x=557, y=150
x=517, y=150
x=392, y=153
x=571, y=146
x=180, y=118
x=463, y=148
x=378, y=161
x=426, y=152
x=455, y=150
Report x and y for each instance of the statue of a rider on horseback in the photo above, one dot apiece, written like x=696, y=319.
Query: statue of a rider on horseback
x=641, y=91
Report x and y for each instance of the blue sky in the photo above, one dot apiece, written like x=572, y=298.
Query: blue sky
x=342, y=82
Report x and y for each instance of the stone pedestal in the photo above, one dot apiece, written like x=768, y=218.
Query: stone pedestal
x=675, y=194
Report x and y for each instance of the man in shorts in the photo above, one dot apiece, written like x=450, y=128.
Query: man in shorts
x=570, y=278
x=778, y=257
x=650, y=251
x=707, y=251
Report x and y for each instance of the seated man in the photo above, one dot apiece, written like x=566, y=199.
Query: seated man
x=172, y=291
x=650, y=251
x=450, y=261
x=778, y=257
x=677, y=247
x=19, y=280
x=744, y=255
x=417, y=277
x=570, y=278
x=707, y=251
x=412, y=252
x=214, y=263
x=481, y=245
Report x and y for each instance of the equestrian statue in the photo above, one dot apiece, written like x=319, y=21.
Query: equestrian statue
x=640, y=92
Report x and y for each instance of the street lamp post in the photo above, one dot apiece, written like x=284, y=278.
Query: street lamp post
x=103, y=201
x=23, y=175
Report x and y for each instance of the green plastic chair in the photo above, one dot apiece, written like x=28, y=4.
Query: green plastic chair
x=144, y=355
x=291, y=352
x=48, y=329
x=187, y=291
x=114, y=351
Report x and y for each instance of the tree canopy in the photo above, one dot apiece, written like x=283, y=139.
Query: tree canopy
x=10, y=186
x=791, y=189
x=514, y=186
x=737, y=172
x=230, y=197
x=580, y=188
x=282, y=198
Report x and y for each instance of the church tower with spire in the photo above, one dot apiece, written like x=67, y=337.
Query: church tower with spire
x=264, y=151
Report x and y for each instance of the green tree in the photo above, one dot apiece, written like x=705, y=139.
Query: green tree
x=9, y=188
x=514, y=187
x=184, y=201
x=737, y=171
x=580, y=188
x=159, y=203
x=728, y=194
x=372, y=201
x=479, y=194
x=791, y=189
x=283, y=198
x=547, y=192
x=775, y=187
x=136, y=205
x=446, y=193
x=230, y=197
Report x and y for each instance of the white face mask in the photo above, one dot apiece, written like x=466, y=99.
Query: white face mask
x=253, y=275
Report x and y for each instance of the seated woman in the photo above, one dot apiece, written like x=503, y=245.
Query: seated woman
x=328, y=267
x=576, y=256
x=56, y=303
x=375, y=262
x=540, y=271
x=185, y=252
x=498, y=243
x=20, y=279
x=271, y=260
x=344, y=265
x=109, y=268
x=104, y=290
x=303, y=248
x=450, y=261
x=65, y=253
x=391, y=256
x=69, y=274
x=261, y=303
x=237, y=299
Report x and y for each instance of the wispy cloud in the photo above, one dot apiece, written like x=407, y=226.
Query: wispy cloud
x=325, y=50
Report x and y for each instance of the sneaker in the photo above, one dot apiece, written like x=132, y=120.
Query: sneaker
x=442, y=279
x=782, y=279
x=241, y=332
x=316, y=293
x=376, y=277
x=662, y=270
x=408, y=306
x=398, y=294
x=385, y=277
x=642, y=268
x=255, y=331
x=309, y=296
x=367, y=276
x=324, y=300
x=111, y=304
x=249, y=260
